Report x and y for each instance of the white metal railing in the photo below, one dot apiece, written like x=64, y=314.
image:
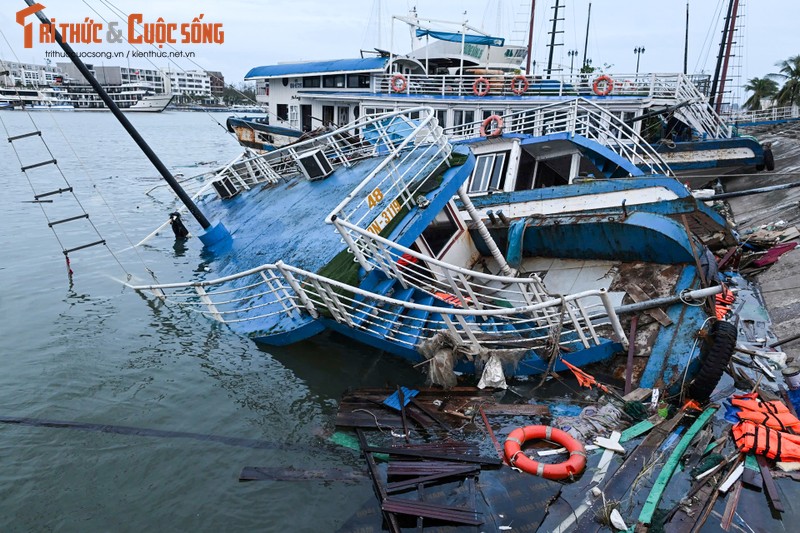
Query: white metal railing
x=577, y=117
x=421, y=149
x=765, y=115
x=662, y=86
x=279, y=290
x=697, y=112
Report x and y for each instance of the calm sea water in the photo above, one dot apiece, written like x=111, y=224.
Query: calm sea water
x=91, y=351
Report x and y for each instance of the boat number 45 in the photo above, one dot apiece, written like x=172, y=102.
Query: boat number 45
x=386, y=216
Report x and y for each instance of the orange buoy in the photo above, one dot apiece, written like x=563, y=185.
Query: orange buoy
x=519, y=84
x=480, y=87
x=398, y=83
x=486, y=131
x=572, y=466
x=609, y=85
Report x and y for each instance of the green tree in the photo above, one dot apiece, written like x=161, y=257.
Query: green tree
x=789, y=94
x=761, y=88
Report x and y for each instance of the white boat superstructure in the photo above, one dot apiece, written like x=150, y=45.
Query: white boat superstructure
x=47, y=99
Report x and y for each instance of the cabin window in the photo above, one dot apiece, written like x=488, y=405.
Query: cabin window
x=333, y=82
x=358, y=81
x=313, y=81
x=441, y=116
x=282, y=111
x=344, y=115
x=327, y=115
x=461, y=117
x=440, y=231
x=489, y=174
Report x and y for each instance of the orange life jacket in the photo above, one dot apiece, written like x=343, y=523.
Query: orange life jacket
x=774, y=414
x=768, y=442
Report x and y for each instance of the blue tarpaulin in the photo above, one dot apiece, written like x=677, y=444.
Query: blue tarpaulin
x=457, y=37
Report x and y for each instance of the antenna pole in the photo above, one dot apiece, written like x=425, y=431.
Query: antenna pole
x=686, y=42
x=112, y=106
x=530, y=39
x=586, y=41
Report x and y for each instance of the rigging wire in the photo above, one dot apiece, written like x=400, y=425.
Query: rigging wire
x=60, y=172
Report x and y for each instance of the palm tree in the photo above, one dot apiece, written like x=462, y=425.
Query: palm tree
x=789, y=94
x=761, y=88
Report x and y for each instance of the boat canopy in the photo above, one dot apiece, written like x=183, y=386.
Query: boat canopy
x=467, y=38
x=367, y=64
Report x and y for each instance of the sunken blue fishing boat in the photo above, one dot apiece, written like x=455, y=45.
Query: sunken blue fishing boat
x=369, y=230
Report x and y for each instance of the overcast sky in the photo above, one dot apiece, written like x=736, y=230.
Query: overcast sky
x=263, y=32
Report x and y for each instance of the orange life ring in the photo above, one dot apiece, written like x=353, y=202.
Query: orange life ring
x=574, y=465
x=398, y=88
x=522, y=87
x=608, y=88
x=498, y=129
x=480, y=87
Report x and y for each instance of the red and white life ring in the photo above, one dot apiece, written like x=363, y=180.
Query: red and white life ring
x=480, y=87
x=572, y=466
x=607, y=81
x=398, y=83
x=487, y=131
x=519, y=84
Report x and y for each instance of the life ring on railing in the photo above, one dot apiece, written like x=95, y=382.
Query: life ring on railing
x=485, y=126
x=521, y=87
x=609, y=85
x=480, y=87
x=398, y=83
x=572, y=466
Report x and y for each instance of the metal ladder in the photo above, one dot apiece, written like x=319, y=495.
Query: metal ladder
x=66, y=207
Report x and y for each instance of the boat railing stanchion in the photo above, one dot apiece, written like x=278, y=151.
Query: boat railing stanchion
x=301, y=294
x=613, y=318
x=348, y=239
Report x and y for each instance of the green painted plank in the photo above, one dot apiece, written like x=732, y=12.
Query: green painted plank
x=646, y=516
x=634, y=431
x=750, y=462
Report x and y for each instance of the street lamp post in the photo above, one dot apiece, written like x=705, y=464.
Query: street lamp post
x=571, y=54
x=639, y=50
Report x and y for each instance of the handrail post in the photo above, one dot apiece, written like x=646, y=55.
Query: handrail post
x=351, y=244
x=613, y=318
x=301, y=294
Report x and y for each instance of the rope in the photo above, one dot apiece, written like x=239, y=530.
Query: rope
x=555, y=335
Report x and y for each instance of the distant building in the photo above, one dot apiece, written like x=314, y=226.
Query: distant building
x=217, y=83
x=190, y=86
x=28, y=74
x=113, y=76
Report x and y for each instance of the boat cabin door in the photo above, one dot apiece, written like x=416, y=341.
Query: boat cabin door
x=305, y=117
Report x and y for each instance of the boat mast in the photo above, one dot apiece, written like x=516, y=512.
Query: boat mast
x=714, y=84
x=731, y=29
x=686, y=42
x=586, y=41
x=553, y=39
x=165, y=173
x=530, y=39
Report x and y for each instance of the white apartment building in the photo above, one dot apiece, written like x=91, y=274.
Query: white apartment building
x=27, y=74
x=195, y=83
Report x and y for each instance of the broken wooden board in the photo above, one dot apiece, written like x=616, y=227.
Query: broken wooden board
x=638, y=295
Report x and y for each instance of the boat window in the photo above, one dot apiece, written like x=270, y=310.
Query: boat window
x=463, y=117
x=440, y=231
x=327, y=115
x=487, y=113
x=358, y=81
x=282, y=111
x=489, y=174
x=344, y=115
x=441, y=116
x=335, y=81
x=311, y=81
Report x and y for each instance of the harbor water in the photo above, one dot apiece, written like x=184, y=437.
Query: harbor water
x=123, y=414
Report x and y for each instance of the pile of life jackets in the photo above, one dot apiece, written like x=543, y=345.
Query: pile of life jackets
x=724, y=303
x=766, y=428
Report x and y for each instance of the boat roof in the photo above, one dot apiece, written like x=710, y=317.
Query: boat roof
x=335, y=66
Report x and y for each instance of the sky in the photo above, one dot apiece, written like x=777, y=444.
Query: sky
x=264, y=32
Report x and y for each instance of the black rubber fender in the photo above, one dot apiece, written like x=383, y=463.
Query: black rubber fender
x=769, y=159
x=715, y=355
